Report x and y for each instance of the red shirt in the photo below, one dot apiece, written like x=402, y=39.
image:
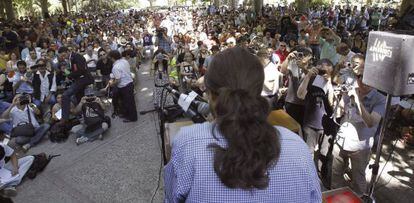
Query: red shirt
x=282, y=55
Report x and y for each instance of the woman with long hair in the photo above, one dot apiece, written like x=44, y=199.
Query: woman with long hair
x=239, y=157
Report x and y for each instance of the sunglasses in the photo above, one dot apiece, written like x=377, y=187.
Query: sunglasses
x=283, y=45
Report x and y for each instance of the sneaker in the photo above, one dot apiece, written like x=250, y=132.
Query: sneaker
x=100, y=137
x=26, y=147
x=9, y=192
x=81, y=140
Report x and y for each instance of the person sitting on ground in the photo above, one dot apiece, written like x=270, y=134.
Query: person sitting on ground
x=95, y=122
x=239, y=157
x=44, y=85
x=22, y=79
x=19, y=112
x=16, y=167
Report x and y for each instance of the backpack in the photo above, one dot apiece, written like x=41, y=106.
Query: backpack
x=39, y=164
x=60, y=133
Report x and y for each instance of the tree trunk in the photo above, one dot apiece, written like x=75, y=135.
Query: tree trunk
x=258, y=4
x=217, y=3
x=2, y=13
x=65, y=6
x=302, y=5
x=151, y=2
x=45, y=8
x=8, y=5
x=404, y=6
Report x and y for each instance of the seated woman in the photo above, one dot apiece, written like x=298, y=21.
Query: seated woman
x=239, y=157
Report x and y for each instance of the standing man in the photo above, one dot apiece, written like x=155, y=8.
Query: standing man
x=124, y=82
x=364, y=108
x=80, y=76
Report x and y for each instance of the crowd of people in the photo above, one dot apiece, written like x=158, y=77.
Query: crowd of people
x=55, y=72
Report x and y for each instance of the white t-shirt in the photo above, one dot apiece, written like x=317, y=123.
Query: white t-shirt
x=122, y=72
x=91, y=64
x=8, y=151
x=271, y=81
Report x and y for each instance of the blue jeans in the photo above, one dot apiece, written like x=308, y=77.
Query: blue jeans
x=76, y=89
x=40, y=132
x=79, y=131
x=52, y=101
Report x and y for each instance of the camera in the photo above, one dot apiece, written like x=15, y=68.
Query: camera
x=348, y=64
x=90, y=99
x=299, y=55
x=24, y=99
x=321, y=72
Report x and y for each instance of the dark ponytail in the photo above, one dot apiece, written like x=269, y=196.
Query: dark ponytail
x=235, y=78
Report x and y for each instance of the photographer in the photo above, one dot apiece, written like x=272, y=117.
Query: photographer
x=95, y=122
x=364, y=108
x=26, y=130
x=317, y=92
x=295, y=66
x=163, y=41
x=328, y=41
x=147, y=43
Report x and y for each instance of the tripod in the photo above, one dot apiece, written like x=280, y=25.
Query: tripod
x=161, y=111
x=369, y=198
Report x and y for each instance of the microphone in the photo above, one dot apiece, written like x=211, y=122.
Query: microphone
x=199, y=107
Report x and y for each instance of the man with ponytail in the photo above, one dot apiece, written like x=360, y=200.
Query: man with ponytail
x=239, y=157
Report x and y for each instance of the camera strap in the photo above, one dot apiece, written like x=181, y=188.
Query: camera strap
x=28, y=114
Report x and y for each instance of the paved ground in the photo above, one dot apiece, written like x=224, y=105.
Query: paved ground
x=124, y=167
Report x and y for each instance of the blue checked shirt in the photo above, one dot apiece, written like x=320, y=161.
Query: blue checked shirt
x=190, y=176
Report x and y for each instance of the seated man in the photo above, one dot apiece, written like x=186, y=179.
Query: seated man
x=95, y=122
x=16, y=167
x=44, y=85
x=22, y=80
x=19, y=113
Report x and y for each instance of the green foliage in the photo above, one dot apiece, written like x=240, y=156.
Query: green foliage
x=315, y=3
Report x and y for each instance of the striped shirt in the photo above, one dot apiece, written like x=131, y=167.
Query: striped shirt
x=190, y=176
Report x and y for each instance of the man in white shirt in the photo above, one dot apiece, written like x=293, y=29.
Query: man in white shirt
x=32, y=58
x=123, y=81
x=19, y=113
x=272, y=76
x=16, y=167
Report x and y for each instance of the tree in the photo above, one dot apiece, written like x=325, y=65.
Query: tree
x=8, y=6
x=65, y=6
x=44, y=6
x=2, y=13
x=151, y=2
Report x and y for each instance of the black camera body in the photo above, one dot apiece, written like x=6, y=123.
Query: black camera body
x=24, y=99
x=321, y=72
x=90, y=99
x=299, y=55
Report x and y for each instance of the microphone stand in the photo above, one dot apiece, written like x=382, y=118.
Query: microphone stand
x=369, y=198
x=161, y=116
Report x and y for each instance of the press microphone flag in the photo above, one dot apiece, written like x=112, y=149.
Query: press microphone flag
x=389, y=63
